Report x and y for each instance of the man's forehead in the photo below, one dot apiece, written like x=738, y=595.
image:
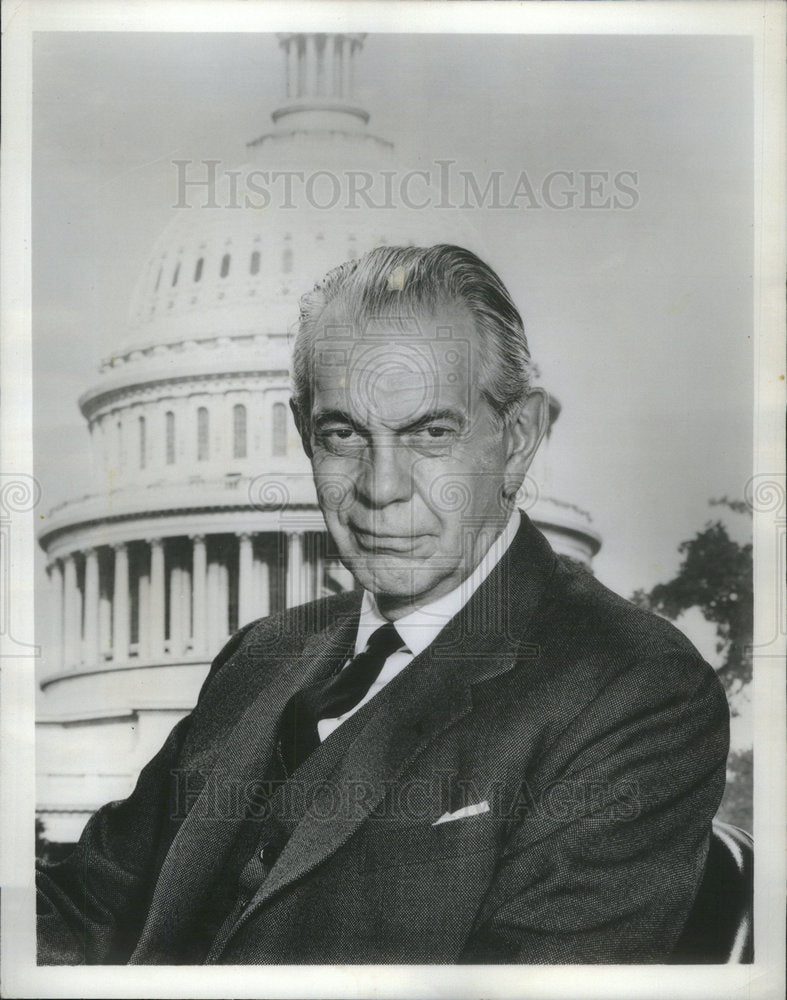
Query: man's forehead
x=441, y=344
x=449, y=322
x=385, y=365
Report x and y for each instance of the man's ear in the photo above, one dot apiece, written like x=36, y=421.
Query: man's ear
x=302, y=428
x=524, y=433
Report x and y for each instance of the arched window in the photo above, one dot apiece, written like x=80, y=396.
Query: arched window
x=198, y=269
x=158, y=280
x=142, y=443
x=254, y=266
x=279, y=429
x=170, y=437
x=239, y=431
x=202, y=434
x=225, y=265
x=175, y=274
x=286, y=260
x=120, y=447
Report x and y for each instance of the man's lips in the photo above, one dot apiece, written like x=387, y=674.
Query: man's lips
x=384, y=542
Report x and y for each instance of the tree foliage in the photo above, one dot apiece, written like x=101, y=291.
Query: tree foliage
x=716, y=577
x=736, y=806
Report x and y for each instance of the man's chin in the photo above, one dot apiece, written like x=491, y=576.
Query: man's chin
x=401, y=579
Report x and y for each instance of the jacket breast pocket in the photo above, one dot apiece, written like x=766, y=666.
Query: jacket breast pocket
x=387, y=844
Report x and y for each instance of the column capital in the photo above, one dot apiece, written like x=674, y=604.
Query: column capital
x=119, y=546
x=156, y=540
x=198, y=537
x=245, y=536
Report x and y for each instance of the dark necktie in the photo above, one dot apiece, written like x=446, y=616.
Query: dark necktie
x=333, y=696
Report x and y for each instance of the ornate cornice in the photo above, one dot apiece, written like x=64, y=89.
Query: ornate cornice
x=47, y=536
x=98, y=398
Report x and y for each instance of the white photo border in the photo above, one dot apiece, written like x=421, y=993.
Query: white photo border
x=764, y=22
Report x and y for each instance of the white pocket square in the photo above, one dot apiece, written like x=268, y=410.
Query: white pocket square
x=474, y=810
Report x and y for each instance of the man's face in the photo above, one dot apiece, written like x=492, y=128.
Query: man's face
x=409, y=461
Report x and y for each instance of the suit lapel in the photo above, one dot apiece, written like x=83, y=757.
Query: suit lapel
x=403, y=718
x=431, y=694
x=199, y=849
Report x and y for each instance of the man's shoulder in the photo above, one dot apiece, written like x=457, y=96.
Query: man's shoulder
x=289, y=629
x=603, y=658
x=606, y=627
x=283, y=634
x=576, y=616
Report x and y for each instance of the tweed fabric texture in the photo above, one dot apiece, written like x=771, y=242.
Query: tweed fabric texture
x=593, y=734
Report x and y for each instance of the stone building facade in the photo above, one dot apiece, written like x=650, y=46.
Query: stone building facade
x=203, y=514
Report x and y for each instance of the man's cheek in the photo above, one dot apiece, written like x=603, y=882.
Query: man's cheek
x=335, y=483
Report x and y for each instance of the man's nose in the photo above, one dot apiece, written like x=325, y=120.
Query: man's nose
x=388, y=475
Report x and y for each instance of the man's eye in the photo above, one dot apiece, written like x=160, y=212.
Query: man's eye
x=433, y=434
x=437, y=431
x=337, y=438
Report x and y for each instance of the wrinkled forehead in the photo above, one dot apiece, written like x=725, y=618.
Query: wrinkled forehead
x=395, y=368
x=440, y=347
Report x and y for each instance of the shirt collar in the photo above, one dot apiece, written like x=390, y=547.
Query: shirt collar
x=420, y=627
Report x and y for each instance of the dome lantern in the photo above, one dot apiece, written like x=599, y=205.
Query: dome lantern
x=319, y=76
x=203, y=514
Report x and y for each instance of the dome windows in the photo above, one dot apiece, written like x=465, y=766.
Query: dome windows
x=175, y=274
x=225, y=266
x=121, y=451
x=254, y=264
x=286, y=260
x=142, y=442
x=279, y=429
x=198, y=269
x=169, y=435
x=202, y=434
x=239, y=431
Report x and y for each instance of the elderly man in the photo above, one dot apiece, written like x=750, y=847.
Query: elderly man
x=482, y=756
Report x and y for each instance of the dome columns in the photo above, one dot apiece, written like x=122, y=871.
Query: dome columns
x=72, y=611
x=120, y=605
x=247, y=610
x=56, y=611
x=290, y=51
x=90, y=639
x=199, y=565
x=158, y=600
x=295, y=563
x=157, y=610
x=319, y=67
x=310, y=67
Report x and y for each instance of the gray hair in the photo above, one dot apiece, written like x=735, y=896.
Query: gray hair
x=405, y=281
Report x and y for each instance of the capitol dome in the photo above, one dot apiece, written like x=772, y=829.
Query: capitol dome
x=203, y=514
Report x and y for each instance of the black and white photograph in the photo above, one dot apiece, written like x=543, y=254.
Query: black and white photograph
x=394, y=501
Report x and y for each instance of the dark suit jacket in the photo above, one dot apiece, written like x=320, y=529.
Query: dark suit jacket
x=595, y=733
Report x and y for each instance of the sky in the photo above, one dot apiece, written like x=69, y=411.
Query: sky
x=640, y=318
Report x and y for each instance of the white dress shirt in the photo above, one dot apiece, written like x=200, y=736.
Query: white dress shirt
x=420, y=627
